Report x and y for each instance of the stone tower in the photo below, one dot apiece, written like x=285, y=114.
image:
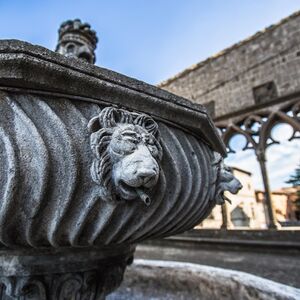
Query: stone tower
x=78, y=40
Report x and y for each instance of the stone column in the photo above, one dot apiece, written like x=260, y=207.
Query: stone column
x=226, y=217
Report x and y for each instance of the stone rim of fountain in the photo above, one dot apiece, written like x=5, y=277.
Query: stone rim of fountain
x=39, y=70
x=180, y=280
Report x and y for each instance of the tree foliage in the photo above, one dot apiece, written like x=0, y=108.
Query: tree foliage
x=294, y=180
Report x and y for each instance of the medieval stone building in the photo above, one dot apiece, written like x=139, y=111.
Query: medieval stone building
x=248, y=89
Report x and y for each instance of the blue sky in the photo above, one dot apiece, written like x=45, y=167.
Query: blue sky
x=153, y=40
x=149, y=40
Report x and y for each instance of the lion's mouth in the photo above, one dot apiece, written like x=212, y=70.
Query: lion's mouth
x=127, y=190
x=130, y=192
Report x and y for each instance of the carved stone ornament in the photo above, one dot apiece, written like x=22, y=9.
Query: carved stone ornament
x=63, y=275
x=90, y=285
x=126, y=152
x=226, y=181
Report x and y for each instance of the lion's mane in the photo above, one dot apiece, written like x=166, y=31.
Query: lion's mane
x=102, y=128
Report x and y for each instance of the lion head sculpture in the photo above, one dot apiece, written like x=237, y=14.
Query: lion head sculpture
x=126, y=152
x=226, y=181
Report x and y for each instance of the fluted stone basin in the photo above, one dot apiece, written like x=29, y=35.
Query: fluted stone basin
x=92, y=162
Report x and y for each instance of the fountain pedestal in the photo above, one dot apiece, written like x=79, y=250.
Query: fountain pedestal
x=62, y=274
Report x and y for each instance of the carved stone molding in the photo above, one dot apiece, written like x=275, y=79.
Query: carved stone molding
x=257, y=128
x=89, y=282
x=33, y=67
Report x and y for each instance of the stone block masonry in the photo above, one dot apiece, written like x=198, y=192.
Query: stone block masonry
x=254, y=71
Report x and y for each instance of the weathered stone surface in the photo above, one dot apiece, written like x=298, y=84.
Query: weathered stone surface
x=62, y=274
x=80, y=146
x=174, y=280
x=46, y=135
x=51, y=198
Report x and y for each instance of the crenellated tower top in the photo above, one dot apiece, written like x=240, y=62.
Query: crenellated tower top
x=78, y=40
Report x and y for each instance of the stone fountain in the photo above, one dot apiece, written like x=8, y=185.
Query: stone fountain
x=91, y=163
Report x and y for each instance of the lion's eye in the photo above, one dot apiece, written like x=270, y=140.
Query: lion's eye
x=150, y=141
x=129, y=133
x=128, y=146
x=147, y=139
x=134, y=140
x=153, y=150
x=123, y=146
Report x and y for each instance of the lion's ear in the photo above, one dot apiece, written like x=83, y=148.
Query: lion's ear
x=217, y=159
x=94, y=125
x=148, y=123
x=109, y=117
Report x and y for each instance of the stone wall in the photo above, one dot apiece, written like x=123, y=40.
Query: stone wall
x=255, y=71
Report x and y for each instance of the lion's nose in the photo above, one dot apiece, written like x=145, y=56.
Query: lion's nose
x=147, y=175
x=240, y=186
